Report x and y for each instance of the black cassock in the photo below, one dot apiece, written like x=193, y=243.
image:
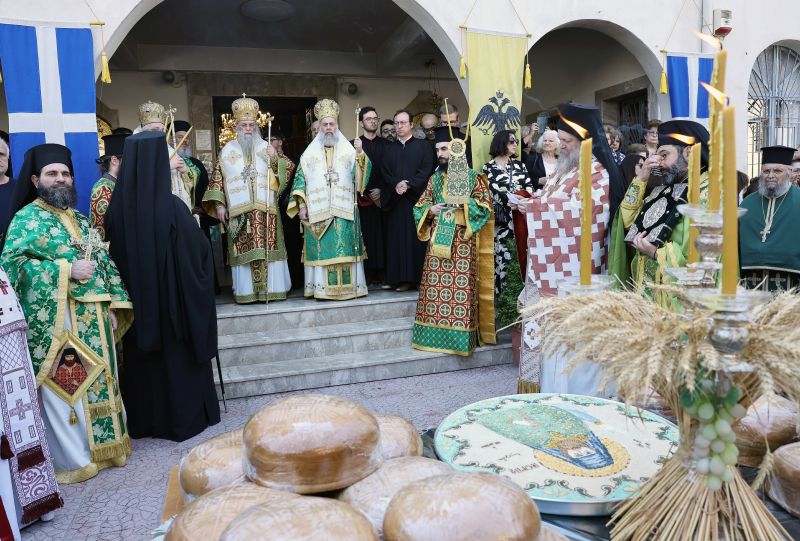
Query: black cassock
x=165, y=261
x=414, y=162
x=373, y=218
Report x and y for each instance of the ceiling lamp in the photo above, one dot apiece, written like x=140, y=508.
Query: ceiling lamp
x=267, y=11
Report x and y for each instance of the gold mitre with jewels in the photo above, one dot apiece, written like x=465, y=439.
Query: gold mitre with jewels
x=150, y=112
x=326, y=108
x=245, y=108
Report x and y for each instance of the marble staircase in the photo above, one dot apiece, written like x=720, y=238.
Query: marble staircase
x=305, y=344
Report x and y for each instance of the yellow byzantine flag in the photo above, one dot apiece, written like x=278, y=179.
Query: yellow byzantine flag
x=495, y=69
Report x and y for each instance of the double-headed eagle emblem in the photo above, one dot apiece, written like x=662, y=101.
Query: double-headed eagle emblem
x=492, y=118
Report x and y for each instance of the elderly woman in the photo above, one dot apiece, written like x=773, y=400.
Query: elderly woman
x=506, y=176
x=614, y=138
x=542, y=163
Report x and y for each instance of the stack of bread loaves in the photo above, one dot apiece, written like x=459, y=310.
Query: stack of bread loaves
x=321, y=467
x=772, y=423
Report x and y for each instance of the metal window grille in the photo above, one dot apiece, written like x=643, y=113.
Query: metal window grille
x=773, y=103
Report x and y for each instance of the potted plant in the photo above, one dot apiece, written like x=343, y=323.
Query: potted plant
x=506, y=307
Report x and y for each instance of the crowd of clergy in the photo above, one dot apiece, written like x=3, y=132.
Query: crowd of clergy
x=108, y=321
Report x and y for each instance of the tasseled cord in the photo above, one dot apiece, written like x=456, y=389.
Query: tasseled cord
x=105, y=73
x=73, y=417
x=462, y=70
x=663, y=87
x=528, y=83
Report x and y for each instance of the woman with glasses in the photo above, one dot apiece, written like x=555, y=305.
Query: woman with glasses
x=651, y=136
x=506, y=175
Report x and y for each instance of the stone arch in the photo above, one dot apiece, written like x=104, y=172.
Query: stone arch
x=618, y=72
x=773, y=100
x=116, y=31
x=647, y=58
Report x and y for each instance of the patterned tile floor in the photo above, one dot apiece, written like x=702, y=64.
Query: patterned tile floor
x=124, y=504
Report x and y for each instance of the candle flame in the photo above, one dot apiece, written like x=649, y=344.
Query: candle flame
x=688, y=139
x=711, y=40
x=582, y=132
x=721, y=97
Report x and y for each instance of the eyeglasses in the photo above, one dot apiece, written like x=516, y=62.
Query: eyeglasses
x=512, y=141
x=371, y=119
x=401, y=122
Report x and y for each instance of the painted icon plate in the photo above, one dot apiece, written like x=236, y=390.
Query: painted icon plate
x=574, y=455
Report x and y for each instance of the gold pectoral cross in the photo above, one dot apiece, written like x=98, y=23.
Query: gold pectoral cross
x=87, y=246
x=332, y=177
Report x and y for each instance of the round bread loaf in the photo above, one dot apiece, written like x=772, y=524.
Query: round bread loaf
x=311, y=443
x=398, y=437
x=207, y=517
x=773, y=418
x=462, y=507
x=372, y=494
x=301, y=519
x=784, y=483
x=215, y=463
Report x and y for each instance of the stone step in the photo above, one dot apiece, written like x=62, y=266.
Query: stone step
x=307, y=342
x=299, y=312
x=325, y=370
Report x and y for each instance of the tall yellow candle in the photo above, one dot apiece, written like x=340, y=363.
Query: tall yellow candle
x=694, y=197
x=585, y=170
x=715, y=143
x=730, y=208
x=715, y=162
x=720, y=65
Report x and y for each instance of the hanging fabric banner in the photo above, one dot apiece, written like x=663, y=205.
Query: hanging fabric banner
x=685, y=72
x=494, y=78
x=50, y=92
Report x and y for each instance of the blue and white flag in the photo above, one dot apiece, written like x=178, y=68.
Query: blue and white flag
x=48, y=74
x=685, y=72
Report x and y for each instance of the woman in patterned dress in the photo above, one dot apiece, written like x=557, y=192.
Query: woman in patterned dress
x=506, y=175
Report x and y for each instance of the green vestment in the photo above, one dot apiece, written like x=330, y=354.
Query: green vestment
x=335, y=243
x=62, y=312
x=772, y=259
x=456, y=292
x=641, y=271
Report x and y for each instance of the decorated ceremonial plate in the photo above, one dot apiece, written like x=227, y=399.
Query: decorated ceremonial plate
x=574, y=455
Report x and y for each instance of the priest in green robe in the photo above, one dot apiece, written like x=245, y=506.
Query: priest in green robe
x=769, y=231
x=76, y=307
x=330, y=175
x=649, y=234
x=455, y=310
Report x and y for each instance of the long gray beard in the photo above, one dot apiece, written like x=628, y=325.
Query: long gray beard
x=777, y=191
x=58, y=196
x=248, y=143
x=567, y=161
x=328, y=139
x=184, y=152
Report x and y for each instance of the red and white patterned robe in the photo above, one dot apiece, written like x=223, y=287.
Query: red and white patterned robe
x=554, y=227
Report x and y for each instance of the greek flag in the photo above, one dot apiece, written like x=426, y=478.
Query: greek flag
x=685, y=72
x=48, y=74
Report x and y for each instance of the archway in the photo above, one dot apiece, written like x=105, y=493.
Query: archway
x=285, y=54
x=599, y=62
x=773, y=101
